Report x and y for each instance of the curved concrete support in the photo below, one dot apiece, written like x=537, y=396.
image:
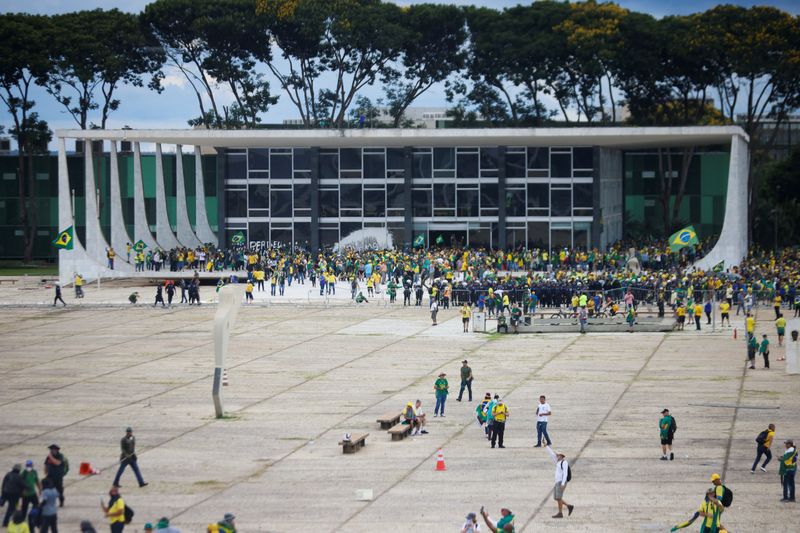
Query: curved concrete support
x=164, y=234
x=731, y=246
x=96, y=244
x=202, y=228
x=119, y=233
x=230, y=299
x=141, y=230
x=185, y=234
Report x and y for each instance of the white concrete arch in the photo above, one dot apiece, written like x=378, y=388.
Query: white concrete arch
x=164, y=234
x=186, y=235
x=119, y=233
x=141, y=229
x=202, y=228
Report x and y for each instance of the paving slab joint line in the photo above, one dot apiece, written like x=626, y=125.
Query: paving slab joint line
x=733, y=420
x=458, y=433
x=546, y=498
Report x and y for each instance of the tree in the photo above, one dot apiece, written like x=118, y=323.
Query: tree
x=776, y=219
x=216, y=45
x=432, y=50
x=95, y=52
x=363, y=107
x=23, y=60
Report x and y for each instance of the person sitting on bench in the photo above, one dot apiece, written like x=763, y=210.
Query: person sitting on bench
x=420, y=417
x=410, y=418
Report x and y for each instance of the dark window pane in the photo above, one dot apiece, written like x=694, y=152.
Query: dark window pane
x=258, y=231
x=235, y=204
x=561, y=203
x=582, y=157
x=538, y=195
x=444, y=195
x=259, y=196
x=582, y=194
x=258, y=158
x=515, y=203
x=328, y=166
x=421, y=199
x=515, y=165
x=374, y=203
x=489, y=158
x=394, y=195
x=488, y=195
x=281, y=166
x=302, y=233
x=280, y=203
x=468, y=203
x=467, y=166
x=560, y=165
x=328, y=237
x=538, y=157
x=395, y=158
x=421, y=166
x=444, y=158
x=351, y=158
x=349, y=227
x=351, y=196
x=302, y=159
x=374, y=166
x=329, y=202
x=236, y=167
x=281, y=235
x=538, y=235
x=302, y=195
x=561, y=238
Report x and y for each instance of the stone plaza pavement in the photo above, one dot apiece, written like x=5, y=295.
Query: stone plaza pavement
x=302, y=376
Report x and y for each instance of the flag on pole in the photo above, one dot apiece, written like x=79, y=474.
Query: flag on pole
x=139, y=246
x=683, y=238
x=419, y=241
x=719, y=267
x=64, y=239
x=440, y=239
x=238, y=238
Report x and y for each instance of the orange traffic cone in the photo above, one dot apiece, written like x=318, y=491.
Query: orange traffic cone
x=86, y=469
x=440, y=460
x=734, y=333
x=225, y=377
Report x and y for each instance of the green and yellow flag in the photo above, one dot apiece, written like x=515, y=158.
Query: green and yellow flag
x=238, y=238
x=419, y=241
x=719, y=267
x=139, y=246
x=439, y=240
x=683, y=238
x=64, y=239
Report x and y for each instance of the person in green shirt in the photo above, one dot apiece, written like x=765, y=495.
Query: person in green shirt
x=33, y=487
x=752, y=346
x=505, y=524
x=666, y=427
x=787, y=471
x=763, y=349
x=516, y=315
x=440, y=387
x=466, y=380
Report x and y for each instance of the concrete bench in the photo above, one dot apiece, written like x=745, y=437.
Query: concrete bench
x=11, y=281
x=355, y=443
x=400, y=431
x=389, y=419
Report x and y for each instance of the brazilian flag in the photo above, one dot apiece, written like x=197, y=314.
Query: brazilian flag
x=440, y=239
x=64, y=239
x=238, y=238
x=719, y=267
x=683, y=238
x=139, y=246
x=419, y=241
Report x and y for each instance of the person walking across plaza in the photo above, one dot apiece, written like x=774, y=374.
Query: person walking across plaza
x=562, y=478
x=500, y=415
x=49, y=517
x=752, y=347
x=787, y=471
x=13, y=487
x=441, y=388
x=466, y=380
x=58, y=297
x=56, y=466
x=33, y=487
x=542, y=414
x=764, y=442
x=780, y=328
x=127, y=457
x=666, y=429
x=115, y=510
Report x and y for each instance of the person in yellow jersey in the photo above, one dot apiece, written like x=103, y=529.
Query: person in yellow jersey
x=776, y=304
x=698, y=314
x=710, y=511
x=750, y=325
x=465, y=314
x=78, y=285
x=115, y=510
x=500, y=414
x=764, y=442
x=680, y=316
x=780, y=326
x=724, y=310
x=248, y=292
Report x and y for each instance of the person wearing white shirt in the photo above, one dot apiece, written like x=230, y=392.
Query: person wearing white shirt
x=420, y=417
x=562, y=477
x=542, y=412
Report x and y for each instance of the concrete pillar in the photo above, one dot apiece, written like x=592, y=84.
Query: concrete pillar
x=408, y=187
x=202, y=228
x=164, y=234
x=185, y=234
x=119, y=233
x=501, y=198
x=95, y=241
x=314, y=241
x=141, y=229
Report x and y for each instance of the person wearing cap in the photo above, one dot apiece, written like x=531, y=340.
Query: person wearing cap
x=56, y=466
x=788, y=470
x=466, y=380
x=13, y=487
x=163, y=526
x=441, y=387
x=710, y=510
x=499, y=414
x=115, y=510
x=226, y=525
x=128, y=457
x=666, y=430
x=87, y=527
x=410, y=418
x=506, y=523
x=148, y=528
x=33, y=487
x=480, y=411
x=562, y=478
x=471, y=525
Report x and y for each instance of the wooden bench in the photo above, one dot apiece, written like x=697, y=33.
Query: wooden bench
x=11, y=281
x=400, y=431
x=355, y=443
x=389, y=419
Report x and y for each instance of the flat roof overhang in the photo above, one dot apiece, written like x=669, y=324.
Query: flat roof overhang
x=613, y=137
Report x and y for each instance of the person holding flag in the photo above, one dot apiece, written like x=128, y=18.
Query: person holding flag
x=64, y=239
x=710, y=510
x=683, y=238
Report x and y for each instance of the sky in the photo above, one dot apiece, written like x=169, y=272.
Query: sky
x=144, y=109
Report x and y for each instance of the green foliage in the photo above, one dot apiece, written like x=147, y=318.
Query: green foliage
x=778, y=201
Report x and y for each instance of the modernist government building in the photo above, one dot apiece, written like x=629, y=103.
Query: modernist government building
x=493, y=188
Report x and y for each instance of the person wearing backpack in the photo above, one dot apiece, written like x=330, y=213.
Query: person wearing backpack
x=563, y=476
x=788, y=470
x=764, y=442
x=667, y=427
x=116, y=511
x=723, y=494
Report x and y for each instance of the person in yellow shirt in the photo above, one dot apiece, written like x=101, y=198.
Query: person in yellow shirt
x=499, y=414
x=115, y=511
x=780, y=326
x=776, y=304
x=465, y=314
x=78, y=286
x=764, y=442
x=750, y=325
x=248, y=292
x=698, y=314
x=724, y=309
x=680, y=315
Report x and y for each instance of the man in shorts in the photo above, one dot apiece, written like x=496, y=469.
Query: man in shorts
x=666, y=427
